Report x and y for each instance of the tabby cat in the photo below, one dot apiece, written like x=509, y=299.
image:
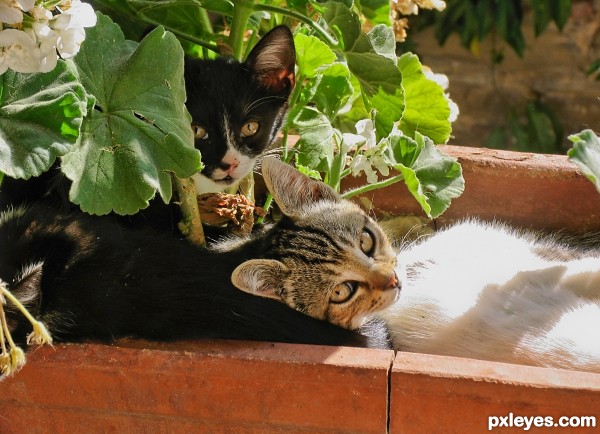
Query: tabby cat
x=87, y=277
x=486, y=291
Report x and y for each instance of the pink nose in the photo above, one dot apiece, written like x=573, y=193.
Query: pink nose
x=393, y=283
x=232, y=167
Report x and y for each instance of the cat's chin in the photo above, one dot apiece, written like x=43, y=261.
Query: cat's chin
x=208, y=185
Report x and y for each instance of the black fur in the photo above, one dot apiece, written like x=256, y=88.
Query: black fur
x=101, y=281
x=225, y=89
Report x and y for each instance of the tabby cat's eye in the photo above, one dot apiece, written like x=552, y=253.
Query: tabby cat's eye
x=199, y=132
x=367, y=242
x=343, y=292
x=250, y=128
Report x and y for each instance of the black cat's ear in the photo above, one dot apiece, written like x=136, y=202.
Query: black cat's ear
x=260, y=277
x=273, y=59
x=292, y=190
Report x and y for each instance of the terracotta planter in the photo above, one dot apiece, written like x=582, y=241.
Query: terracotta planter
x=250, y=387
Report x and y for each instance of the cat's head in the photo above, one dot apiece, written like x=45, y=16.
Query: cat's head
x=326, y=257
x=237, y=108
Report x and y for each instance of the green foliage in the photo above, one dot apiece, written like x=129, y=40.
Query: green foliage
x=115, y=114
x=594, y=69
x=475, y=20
x=138, y=131
x=586, y=154
x=427, y=109
x=538, y=130
x=40, y=118
x=125, y=129
x=433, y=178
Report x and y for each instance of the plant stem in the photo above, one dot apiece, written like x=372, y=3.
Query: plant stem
x=179, y=33
x=300, y=17
x=369, y=187
x=241, y=14
x=191, y=226
x=247, y=186
x=205, y=21
x=335, y=174
x=6, y=293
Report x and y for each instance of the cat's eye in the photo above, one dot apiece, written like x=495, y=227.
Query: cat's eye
x=343, y=292
x=199, y=132
x=250, y=128
x=367, y=242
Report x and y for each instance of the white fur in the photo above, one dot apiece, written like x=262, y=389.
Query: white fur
x=479, y=290
x=11, y=213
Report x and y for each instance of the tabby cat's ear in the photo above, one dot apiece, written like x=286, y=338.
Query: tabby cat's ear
x=273, y=59
x=260, y=277
x=292, y=190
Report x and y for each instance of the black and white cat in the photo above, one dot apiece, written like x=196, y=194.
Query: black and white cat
x=237, y=108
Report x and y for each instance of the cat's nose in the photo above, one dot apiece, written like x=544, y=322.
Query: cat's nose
x=230, y=167
x=393, y=282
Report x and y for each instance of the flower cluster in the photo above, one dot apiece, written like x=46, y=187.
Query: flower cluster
x=401, y=8
x=36, y=32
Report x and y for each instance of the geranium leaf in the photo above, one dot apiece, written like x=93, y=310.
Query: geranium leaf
x=433, y=178
x=315, y=146
x=40, y=118
x=586, y=154
x=311, y=55
x=139, y=130
x=426, y=108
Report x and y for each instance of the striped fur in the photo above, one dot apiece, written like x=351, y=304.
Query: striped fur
x=317, y=252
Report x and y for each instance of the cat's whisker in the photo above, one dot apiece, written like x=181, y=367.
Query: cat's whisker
x=261, y=101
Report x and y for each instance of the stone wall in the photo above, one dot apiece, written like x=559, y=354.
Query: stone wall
x=551, y=71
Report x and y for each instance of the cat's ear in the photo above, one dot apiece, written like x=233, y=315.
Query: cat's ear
x=260, y=277
x=273, y=59
x=292, y=190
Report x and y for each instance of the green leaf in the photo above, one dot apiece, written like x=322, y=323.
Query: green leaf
x=314, y=174
x=312, y=54
x=139, y=130
x=541, y=15
x=40, y=119
x=510, y=19
x=586, y=154
x=343, y=21
x=561, y=11
x=376, y=11
x=434, y=179
x=315, y=146
x=383, y=41
x=332, y=89
x=388, y=110
x=426, y=107
x=373, y=70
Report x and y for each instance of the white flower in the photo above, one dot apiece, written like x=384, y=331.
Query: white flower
x=82, y=14
x=381, y=164
x=11, y=11
x=18, y=52
x=406, y=7
x=361, y=163
x=432, y=4
x=351, y=141
x=454, y=112
x=69, y=26
x=365, y=128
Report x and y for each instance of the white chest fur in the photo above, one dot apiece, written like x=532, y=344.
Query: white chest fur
x=481, y=291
